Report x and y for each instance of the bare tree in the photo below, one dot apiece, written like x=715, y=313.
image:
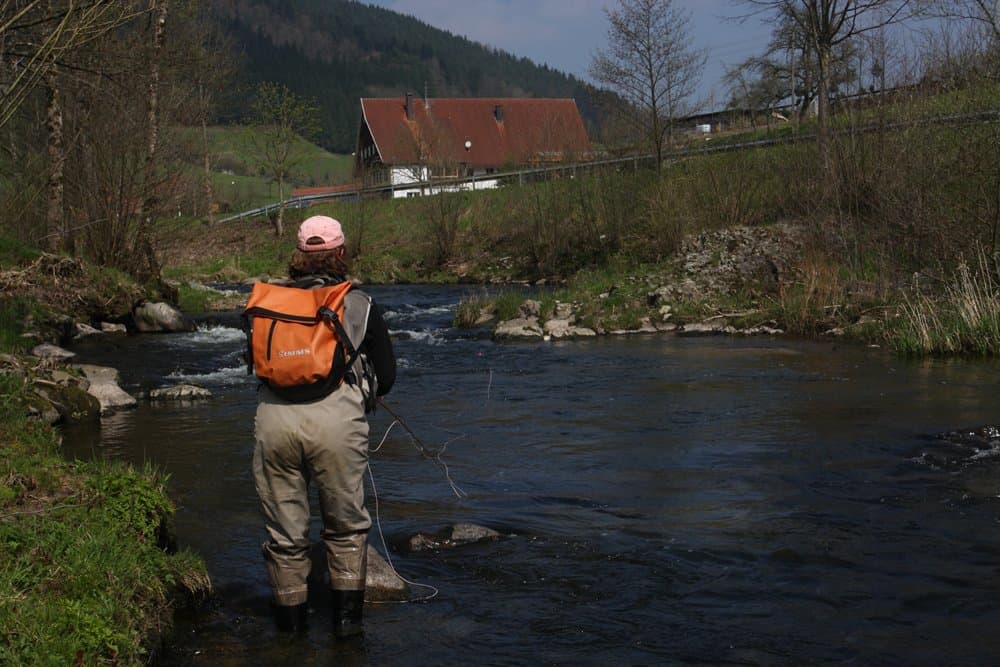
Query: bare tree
x=984, y=13
x=651, y=64
x=788, y=70
x=37, y=35
x=982, y=20
x=40, y=42
x=282, y=119
x=828, y=24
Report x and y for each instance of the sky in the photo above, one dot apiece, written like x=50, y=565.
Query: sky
x=565, y=34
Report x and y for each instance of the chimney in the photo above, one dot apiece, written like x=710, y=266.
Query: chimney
x=498, y=113
x=409, y=106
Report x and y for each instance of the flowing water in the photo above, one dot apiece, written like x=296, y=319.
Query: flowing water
x=663, y=500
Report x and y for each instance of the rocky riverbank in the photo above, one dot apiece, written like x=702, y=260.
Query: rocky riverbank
x=715, y=285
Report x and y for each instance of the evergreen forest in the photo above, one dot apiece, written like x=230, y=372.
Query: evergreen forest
x=337, y=51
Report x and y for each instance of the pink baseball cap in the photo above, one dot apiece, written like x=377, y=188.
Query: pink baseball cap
x=320, y=232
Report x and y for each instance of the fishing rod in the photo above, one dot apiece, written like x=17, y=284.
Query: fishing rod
x=424, y=450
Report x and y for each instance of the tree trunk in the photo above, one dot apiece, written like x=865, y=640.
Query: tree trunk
x=55, y=221
x=209, y=195
x=279, y=228
x=149, y=264
x=823, y=116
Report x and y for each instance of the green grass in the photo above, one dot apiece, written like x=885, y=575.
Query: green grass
x=83, y=577
x=13, y=311
x=13, y=252
x=236, y=180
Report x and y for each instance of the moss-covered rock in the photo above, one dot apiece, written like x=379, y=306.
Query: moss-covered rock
x=73, y=404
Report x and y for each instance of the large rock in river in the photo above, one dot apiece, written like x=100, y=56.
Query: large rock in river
x=160, y=317
x=104, y=387
x=382, y=584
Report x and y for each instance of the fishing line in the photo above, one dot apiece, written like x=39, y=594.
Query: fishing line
x=385, y=547
x=427, y=453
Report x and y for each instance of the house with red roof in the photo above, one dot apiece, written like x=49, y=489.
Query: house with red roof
x=419, y=146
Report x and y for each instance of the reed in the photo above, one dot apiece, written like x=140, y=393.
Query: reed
x=965, y=319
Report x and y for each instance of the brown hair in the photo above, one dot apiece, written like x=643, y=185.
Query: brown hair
x=321, y=263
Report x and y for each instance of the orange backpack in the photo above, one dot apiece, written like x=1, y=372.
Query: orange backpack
x=295, y=340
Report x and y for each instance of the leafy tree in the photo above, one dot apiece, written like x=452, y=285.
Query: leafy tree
x=281, y=119
x=651, y=64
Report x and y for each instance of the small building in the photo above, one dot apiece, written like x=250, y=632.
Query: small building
x=418, y=146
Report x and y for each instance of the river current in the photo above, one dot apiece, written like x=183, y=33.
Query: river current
x=663, y=499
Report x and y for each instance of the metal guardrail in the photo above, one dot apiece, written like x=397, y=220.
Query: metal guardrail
x=301, y=201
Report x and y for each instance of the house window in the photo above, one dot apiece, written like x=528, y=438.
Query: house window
x=446, y=171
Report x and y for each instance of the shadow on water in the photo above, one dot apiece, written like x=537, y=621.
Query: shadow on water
x=664, y=499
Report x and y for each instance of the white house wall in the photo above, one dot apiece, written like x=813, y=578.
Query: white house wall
x=411, y=182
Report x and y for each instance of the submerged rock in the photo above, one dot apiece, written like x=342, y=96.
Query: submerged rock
x=180, y=392
x=454, y=536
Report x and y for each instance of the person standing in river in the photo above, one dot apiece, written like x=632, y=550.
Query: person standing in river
x=324, y=440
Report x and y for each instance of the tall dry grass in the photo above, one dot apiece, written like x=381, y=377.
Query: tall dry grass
x=965, y=319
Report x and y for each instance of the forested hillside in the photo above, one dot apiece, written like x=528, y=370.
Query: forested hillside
x=337, y=51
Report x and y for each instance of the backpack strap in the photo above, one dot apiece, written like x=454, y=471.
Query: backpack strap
x=331, y=317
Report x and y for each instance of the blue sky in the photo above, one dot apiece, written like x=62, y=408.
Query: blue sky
x=565, y=34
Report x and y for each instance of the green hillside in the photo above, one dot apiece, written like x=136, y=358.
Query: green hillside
x=337, y=51
x=237, y=183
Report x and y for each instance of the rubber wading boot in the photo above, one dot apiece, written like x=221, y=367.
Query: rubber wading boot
x=291, y=618
x=348, y=607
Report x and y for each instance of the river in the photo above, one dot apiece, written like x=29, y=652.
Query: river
x=663, y=499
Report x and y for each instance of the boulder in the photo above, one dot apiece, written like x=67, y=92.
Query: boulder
x=104, y=387
x=50, y=352
x=645, y=326
x=110, y=327
x=762, y=330
x=382, y=584
x=160, y=317
x=531, y=308
x=558, y=328
x=180, y=392
x=521, y=327
x=73, y=405
x=84, y=330
x=707, y=328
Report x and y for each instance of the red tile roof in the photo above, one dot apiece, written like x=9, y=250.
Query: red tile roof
x=527, y=131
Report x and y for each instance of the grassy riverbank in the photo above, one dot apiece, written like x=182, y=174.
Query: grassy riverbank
x=88, y=574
